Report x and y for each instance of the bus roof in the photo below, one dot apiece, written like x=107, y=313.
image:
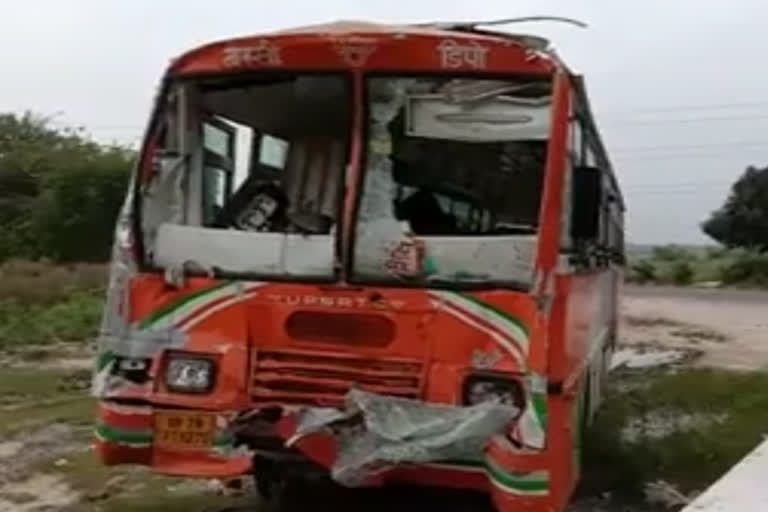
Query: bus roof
x=351, y=43
x=426, y=29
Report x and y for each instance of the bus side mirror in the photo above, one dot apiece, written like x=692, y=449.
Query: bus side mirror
x=585, y=203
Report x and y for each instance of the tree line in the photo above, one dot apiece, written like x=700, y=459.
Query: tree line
x=740, y=226
x=59, y=191
x=742, y=222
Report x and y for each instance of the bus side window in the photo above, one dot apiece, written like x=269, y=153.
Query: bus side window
x=600, y=246
x=576, y=158
x=615, y=245
x=604, y=242
x=586, y=209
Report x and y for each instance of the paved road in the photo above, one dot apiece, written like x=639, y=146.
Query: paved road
x=714, y=295
x=741, y=316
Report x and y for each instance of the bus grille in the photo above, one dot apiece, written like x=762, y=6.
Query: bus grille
x=322, y=379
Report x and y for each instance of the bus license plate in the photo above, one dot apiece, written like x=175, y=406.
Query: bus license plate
x=184, y=431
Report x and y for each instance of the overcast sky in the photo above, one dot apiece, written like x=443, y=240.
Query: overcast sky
x=679, y=87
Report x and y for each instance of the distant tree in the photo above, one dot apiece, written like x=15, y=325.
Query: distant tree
x=746, y=268
x=59, y=191
x=743, y=220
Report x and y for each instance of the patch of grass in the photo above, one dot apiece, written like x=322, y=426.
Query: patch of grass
x=83, y=472
x=41, y=303
x=691, y=457
x=76, y=410
x=748, y=269
x=710, y=269
x=129, y=489
x=29, y=282
x=74, y=318
x=31, y=398
x=35, y=385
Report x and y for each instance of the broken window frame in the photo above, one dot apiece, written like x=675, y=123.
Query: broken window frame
x=214, y=162
x=163, y=108
x=350, y=261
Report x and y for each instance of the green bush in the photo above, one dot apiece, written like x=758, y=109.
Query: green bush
x=72, y=319
x=681, y=273
x=42, y=303
x=716, y=253
x=642, y=272
x=746, y=268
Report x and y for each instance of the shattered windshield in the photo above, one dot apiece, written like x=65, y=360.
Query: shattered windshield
x=258, y=185
x=453, y=180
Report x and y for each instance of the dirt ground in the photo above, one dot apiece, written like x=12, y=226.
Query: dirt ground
x=46, y=462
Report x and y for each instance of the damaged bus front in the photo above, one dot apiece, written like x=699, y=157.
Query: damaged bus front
x=341, y=254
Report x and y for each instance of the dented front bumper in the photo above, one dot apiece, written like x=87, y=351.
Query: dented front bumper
x=375, y=440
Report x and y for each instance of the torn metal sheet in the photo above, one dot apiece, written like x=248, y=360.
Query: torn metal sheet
x=374, y=432
x=163, y=198
x=115, y=325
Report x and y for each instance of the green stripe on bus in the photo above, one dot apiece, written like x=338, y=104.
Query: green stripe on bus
x=174, y=306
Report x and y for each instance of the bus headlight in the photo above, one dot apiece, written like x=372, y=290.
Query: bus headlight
x=189, y=373
x=486, y=388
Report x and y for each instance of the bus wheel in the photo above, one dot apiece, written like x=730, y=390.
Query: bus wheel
x=282, y=494
x=582, y=421
x=272, y=494
x=266, y=488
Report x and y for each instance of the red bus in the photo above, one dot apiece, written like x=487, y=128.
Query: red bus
x=380, y=254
